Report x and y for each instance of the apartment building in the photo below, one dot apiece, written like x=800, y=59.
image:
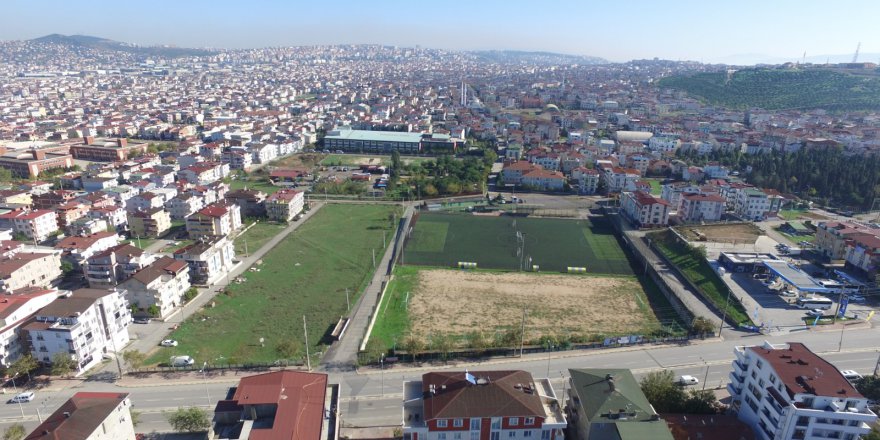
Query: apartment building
x=185, y=205
x=785, y=391
x=862, y=254
x=284, y=205
x=832, y=237
x=481, y=405
x=543, y=180
x=106, y=269
x=32, y=163
x=278, y=405
x=77, y=249
x=150, y=223
x=85, y=325
x=701, y=208
x=209, y=259
x=644, y=210
x=587, y=180
x=37, y=225
x=145, y=201
x=89, y=416
x=620, y=179
x=15, y=309
x=28, y=269
x=216, y=219
x=252, y=203
x=752, y=204
x=608, y=403
x=107, y=150
x=159, y=286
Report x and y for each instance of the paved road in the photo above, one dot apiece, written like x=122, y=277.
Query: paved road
x=372, y=397
x=146, y=337
x=342, y=355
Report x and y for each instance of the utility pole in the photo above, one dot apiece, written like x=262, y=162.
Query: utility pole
x=706, y=377
x=877, y=367
x=374, y=258
x=522, y=333
x=306, y=331
x=347, y=302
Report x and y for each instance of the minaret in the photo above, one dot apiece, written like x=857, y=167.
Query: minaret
x=463, y=94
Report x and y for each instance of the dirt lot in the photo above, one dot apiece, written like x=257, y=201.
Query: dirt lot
x=459, y=302
x=739, y=233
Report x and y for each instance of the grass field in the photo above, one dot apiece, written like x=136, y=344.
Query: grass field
x=444, y=239
x=256, y=236
x=796, y=238
x=354, y=160
x=141, y=243
x=722, y=233
x=428, y=301
x=700, y=273
x=306, y=274
x=656, y=186
x=796, y=214
x=258, y=185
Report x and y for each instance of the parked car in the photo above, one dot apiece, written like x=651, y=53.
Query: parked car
x=24, y=397
x=816, y=312
x=141, y=320
x=850, y=375
x=182, y=361
x=856, y=298
x=687, y=379
x=168, y=343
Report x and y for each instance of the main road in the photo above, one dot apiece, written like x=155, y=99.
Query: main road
x=372, y=397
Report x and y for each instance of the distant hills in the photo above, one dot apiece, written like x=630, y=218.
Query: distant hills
x=778, y=89
x=525, y=57
x=87, y=41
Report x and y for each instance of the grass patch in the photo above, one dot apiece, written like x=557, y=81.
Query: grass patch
x=356, y=160
x=392, y=321
x=700, y=273
x=795, y=238
x=306, y=274
x=256, y=236
x=257, y=185
x=430, y=237
x=656, y=186
x=174, y=247
x=141, y=243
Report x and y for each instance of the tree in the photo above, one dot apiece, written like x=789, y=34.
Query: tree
x=374, y=350
x=67, y=267
x=62, y=364
x=413, y=345
x=6, y=175
x=134, y=359
x=189, y=420
x=869, y=386
x=443, y=343
x=14, y=432
x=702, y=326
x=135, y=418
x=190, y=293
x=153, y=310
x=24, y=365
x=287, y=349
x=700, y=402
x=478, y=341
x=661, y=390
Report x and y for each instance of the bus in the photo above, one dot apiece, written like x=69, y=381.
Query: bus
x=815, y=303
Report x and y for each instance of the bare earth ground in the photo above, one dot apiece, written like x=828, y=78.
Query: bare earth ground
x=458, y=302
x=739, y=233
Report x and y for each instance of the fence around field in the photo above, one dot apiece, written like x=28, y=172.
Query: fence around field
x=220, y=366
x=496, y=352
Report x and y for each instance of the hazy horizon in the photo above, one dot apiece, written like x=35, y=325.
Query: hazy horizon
x=753, y=32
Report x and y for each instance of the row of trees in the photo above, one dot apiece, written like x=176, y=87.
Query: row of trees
x=445, y=175
x=829, y=176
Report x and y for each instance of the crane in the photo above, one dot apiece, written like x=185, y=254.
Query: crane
x=856, y=55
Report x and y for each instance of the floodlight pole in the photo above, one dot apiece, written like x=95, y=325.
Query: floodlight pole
x=306, y=331
x=522, y=333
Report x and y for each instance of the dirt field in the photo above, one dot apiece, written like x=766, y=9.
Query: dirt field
x=459, y=302
x=740, y=233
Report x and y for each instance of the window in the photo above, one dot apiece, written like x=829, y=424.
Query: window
x=772, y=379
x=458, y=423
x=529, y=421
x=475, y=424
x=514, y=421
x=527, y=433
x=441, y=436
x=475, y=435
x=457, y=436
x=759, y=364
x=545, y=434
x=511, y=434
x=495, y=435
x=496, y=423
x=441, y=423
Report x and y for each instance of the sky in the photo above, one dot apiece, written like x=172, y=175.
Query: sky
x=699, y=30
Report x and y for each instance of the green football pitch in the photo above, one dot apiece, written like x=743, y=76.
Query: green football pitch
x=508, y=243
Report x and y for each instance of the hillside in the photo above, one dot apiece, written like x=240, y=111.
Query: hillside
x=782, y=89
x=86, y=41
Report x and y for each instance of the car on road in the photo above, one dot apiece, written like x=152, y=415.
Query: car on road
x=850, y=375
x=687, y=379
x=24, y=397
x=168, y=343
x=856, y=298
x=141, y=320
x=816, y=312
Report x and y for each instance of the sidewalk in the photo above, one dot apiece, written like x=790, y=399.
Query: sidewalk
x=342, y=355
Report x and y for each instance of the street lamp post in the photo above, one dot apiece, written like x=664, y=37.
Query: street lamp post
x=382, y=367
x=205, y=376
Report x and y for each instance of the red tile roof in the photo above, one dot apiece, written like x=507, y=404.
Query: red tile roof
x=802, y=371
x=79, y=417
x=300, y=399
x=505, y=394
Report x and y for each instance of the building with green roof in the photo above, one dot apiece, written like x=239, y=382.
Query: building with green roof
x=384, y=142
x=608, y=404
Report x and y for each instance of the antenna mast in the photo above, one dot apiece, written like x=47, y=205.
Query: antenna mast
x=856, y=55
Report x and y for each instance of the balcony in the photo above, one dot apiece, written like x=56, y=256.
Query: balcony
x=734, y=390
x=739, y=379
x=740, y=367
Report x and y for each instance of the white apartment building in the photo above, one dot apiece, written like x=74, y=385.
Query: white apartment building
x=644, y=210
x=14, y=312
x=161, y=284
x=36, y=225
x=209, y=260
x=29, y=270
x=89, y=416
x=284, y=205
x=666, y=143
x=620, y=179
x=752, y=204
x=185, y=205
x=787, y=392
x=701, y=208
x=84, y=325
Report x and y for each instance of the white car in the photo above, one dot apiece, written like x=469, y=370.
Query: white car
x=850, y=375
x=24, y=397
x=687, y=379
x=816, y=312
x=168, y=343
x=856, y=298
